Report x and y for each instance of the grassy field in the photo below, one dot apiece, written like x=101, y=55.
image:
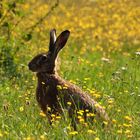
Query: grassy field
x=102, y=56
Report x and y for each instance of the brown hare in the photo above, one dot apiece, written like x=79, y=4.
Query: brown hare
x=54, y=93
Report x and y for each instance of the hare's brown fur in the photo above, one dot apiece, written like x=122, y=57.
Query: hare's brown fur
x=53, y=91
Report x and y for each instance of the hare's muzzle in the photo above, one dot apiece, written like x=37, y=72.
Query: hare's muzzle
x=32, y=67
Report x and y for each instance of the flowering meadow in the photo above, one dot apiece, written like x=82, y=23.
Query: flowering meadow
x=102, y=56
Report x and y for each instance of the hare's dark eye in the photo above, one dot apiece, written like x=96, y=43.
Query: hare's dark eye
x=44, y=58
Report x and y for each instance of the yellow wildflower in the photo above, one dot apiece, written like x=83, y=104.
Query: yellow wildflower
x=68, y=103
x=81, y=120
x=87, y=78
x=128, y=132
x=48, y=108
x=52, y=115
x=21, y=109
x=1, y=135
x=64, y=87
x=68, y=127
x=127, y=125
x=86, y=110
x=59, y=87
x=119, y=131
x=79, y=117
x=128, y=118
x=91, y=131
x=106, y=123
x=97, y=105
x=96, y=95
x=42, y=137
x=90, y=115
x=42, y=114
x=119, y=110
x=114, y=121
x=96, y=138
x=80, y=112
x=110, y=101
x=73, y=133
x=58, y=117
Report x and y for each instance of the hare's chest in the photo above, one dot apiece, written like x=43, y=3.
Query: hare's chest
x=46, y=94
x=48, y=90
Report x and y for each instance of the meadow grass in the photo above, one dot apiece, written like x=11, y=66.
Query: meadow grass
x=102, y=57
x=115, y=83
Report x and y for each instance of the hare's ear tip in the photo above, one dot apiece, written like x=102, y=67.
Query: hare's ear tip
x=53, y=30
x=67, y=32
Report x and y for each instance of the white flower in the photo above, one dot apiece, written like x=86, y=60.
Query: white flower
x=137, y=53
x=124, y=68
x=105, y=59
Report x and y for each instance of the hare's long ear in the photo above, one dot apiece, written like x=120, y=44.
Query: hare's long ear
x=61, y=41
x=52, y=40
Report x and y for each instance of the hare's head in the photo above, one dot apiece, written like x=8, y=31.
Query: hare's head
x=45, y=62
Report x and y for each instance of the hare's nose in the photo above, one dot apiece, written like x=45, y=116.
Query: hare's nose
x=30, y=66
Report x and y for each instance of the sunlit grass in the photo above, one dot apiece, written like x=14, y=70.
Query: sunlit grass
x=117, y=89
